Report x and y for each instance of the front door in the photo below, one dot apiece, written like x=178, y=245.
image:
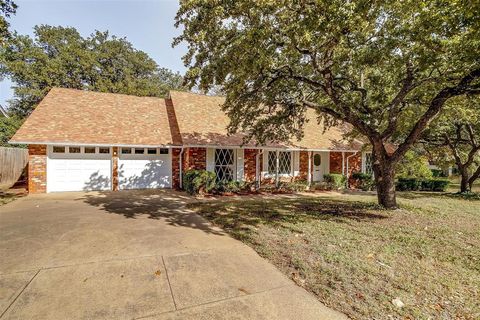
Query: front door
x=317, y=167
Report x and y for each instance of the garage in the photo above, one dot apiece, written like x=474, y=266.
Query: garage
x=78, y=168
x=144, y=168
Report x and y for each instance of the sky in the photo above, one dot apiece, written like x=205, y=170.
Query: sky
x=147, y=24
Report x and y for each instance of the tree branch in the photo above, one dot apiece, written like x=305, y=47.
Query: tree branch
x=433, y=110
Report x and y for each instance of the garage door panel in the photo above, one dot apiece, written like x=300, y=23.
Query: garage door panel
x=144, y=173
x=78, y=174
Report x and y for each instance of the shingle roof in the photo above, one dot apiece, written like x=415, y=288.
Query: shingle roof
x=201, y=121
x=86, y=117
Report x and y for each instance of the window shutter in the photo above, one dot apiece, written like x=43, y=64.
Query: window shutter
x=296, y=163
x=210, y=159
x=240, y=164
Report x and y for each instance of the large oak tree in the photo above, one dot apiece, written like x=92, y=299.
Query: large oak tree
x=385, y=67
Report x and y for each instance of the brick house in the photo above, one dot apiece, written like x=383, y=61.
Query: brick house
x=83, y=140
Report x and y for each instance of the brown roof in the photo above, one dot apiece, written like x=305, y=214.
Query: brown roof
x=86, y=117
x=201, y=121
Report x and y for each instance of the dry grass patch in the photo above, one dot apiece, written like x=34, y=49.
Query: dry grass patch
x=358, y=258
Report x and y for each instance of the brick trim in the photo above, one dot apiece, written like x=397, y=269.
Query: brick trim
x=37, y=169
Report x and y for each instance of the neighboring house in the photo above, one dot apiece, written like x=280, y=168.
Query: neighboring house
x=3, y=112
x=83, y=140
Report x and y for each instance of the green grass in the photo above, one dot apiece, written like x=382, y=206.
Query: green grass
x=356, y=257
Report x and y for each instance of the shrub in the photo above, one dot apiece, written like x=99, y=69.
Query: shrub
x=296, y=186
x=435, y=185
x=408, y=184
x=335, y=180
x=232, y=186
x=363, y=181
x=438, y=173
x=414, y=184
x=199, y=181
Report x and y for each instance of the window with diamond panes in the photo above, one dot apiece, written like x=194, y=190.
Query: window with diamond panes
x=224, y=164
x=284, y=162
x=368, y=163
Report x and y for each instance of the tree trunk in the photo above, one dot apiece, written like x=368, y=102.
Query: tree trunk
x=464, y=185
x=384, y=171
x=385, y=181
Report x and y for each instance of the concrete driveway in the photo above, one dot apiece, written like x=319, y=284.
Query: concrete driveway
x=131, y=255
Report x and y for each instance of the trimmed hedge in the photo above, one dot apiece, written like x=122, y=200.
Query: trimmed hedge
x=199, y=181
x=416, y=184
x=335, y=180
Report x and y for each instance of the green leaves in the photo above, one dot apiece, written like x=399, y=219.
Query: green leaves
x=61, y=57
x=377, y=65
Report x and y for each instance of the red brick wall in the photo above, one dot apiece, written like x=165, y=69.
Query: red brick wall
x=336, y=162
x=250, y=167
x=37, y=168
x=303, y=165
x=115, y=169
x=175, y=168
x=354, y=164
x=195, y=158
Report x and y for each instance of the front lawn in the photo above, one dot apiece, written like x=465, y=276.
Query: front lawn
x=358, y=259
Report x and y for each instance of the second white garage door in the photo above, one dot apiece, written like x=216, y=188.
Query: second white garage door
x=144, y=168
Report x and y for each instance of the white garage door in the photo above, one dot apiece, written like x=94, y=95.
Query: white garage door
x=74, y=168
x=144, y=168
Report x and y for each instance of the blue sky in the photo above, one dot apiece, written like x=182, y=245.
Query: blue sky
x=147, y=24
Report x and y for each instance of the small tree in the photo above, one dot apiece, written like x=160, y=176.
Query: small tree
x=458, y=132
x=385, y=67
x=413, y=165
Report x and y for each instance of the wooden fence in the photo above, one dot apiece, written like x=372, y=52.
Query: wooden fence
x=12, y=163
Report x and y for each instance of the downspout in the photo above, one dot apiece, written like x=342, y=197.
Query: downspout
x=257, y=170
x=181, y=167
x=348, y=173
x=309, y=170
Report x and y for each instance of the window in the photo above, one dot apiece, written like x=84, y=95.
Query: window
x=224, y=164
x=152, y=150
x=104, y=150
x=368, y=163
x=89, y=149
x=58, y=149
x=284, y=162
x=73, y=149
x=126, y=150
x=163, y=150
x=139, y=151
x=317, y=160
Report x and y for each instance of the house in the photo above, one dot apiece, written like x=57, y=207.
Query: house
x=84, y=140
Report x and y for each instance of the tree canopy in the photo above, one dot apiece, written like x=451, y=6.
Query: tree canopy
x=386, y=67
x=7, y=8
x=61, y=57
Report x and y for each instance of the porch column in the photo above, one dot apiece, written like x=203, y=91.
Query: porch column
x=277, y=164
x=343, y=162
x=309, y=171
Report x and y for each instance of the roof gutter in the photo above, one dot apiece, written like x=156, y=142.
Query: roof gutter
x=180, y=161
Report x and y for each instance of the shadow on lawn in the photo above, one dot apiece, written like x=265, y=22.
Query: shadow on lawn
x=166, y=205
x=236, y=215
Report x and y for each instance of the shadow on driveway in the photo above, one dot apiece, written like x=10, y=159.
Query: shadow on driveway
x=168, y=205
